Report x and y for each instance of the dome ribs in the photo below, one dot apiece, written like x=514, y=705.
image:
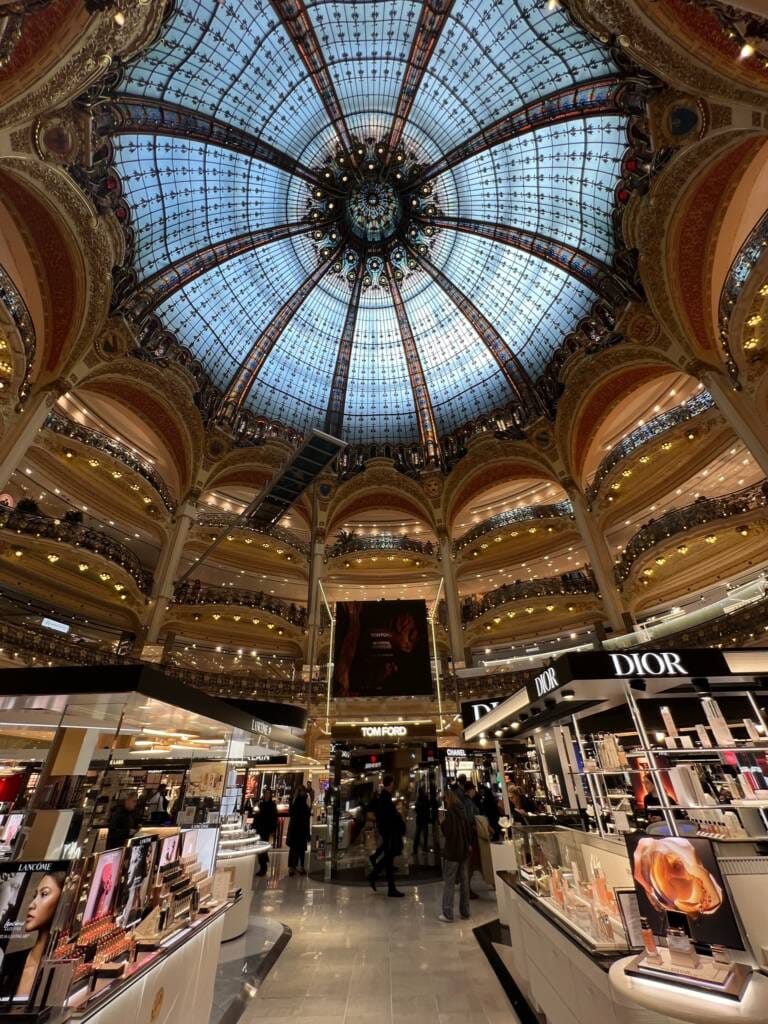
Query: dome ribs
x=294, y=18
x=575, y=262
x=425, y=414
x=334, y=417
x=136, y=115
x=576, y=102
x=242, y=382
x=432, y=19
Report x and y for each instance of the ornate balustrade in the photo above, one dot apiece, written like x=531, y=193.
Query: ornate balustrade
x=47, y=647
x=745, y=261
x=229, y=520
x=702, y=512
x=63, y=425
x=78, y=536
x=740, y=628
x=649, y=432
x=512, y=517
x=194, y=592
x=383, y=542
x=17, y=308
x=247, y=686
x=570, y=583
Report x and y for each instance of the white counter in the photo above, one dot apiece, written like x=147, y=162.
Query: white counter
x=176, y=988
x=241, y=867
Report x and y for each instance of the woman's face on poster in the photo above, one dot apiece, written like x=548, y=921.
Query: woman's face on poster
x=405, y=634
x=43, y=905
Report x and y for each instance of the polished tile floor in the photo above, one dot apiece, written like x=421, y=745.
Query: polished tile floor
x=360, y=958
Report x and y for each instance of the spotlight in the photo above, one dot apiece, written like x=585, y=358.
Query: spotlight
x=701, y=685
x=638, y=684
x=567, y=694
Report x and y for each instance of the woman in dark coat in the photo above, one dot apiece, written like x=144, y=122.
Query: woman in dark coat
x=265, y=824
x=298, y=831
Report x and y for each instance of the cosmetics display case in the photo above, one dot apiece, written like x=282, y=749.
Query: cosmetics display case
x=657, y=901
x=238, y=849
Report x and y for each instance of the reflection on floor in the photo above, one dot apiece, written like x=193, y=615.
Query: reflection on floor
x=357, y=957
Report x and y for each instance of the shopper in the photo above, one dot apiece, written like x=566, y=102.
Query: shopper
x=489, y=807
x=123, y=822
x=157, y=805
x=391, y=829
x=458, y=837
x=423, y=818
x=266, y=826
x=298, y=831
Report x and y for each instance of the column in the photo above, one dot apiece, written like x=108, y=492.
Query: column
x=450, y=590
x=601, y=561
x=314, y=600
x=741, y=415
x=23, y=432
x=168, y=567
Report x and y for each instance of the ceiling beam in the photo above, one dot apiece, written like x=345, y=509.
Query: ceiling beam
x=242, y=382
x=516, y=375
x=295, y=19
x=432, y=19
x=334, y=417
x=154, y=290
x=591, y=99
x=425, y=414
x=575, y=262
x=135, y=115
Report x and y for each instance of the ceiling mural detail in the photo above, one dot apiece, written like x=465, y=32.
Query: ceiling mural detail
x=380, y=219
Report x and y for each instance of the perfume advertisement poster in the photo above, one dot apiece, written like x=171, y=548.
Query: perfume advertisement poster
x=104, y=885
x=673, y=875
x=381, y=649
x=201, y=843
x=137, y=877
x=30, y=893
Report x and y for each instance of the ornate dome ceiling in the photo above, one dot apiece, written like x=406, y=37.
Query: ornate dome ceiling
x=377, y=218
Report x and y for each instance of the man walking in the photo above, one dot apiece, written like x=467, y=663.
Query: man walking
x=457, y=835
x=391, y=829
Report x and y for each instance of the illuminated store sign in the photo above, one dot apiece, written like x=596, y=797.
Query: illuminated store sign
x=473, y=710
x=545, y=683
x=647, y=663
x=375, y=731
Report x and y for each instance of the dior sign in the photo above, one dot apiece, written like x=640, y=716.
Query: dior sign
x=649, y=663
x=473, y=710
x=546, y=682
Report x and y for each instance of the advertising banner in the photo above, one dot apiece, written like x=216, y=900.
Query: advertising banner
x=381, y=649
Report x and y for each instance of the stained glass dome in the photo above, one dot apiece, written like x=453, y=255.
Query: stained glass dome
x=379, y=218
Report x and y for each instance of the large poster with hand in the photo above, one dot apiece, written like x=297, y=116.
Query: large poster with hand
x=381, y=649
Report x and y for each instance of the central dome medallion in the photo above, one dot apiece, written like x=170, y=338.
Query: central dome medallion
x=373, y=211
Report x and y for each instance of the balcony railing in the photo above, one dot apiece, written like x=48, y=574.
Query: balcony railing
x=677, y=521
x=79, y=537
x=46, y=647
x=745, y=261
x=569, y=583
x=512, y=517
x=228, y=520
x=14, y=303
x=109, y=446
x=246, y=686
x=650, y=431
x=194, y=592
x=383, y=542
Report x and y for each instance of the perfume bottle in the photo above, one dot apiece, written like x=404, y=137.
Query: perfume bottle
x=681, y=951
x=651, y=949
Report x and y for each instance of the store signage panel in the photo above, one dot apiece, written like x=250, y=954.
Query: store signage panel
x=385, y=732
x=661, y=664
x=473, y=710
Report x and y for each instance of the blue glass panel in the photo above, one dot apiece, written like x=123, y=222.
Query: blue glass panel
x=379, y=396
x=558, y=181
x=165, y=179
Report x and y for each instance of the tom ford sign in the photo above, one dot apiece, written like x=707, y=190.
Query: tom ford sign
x=387, y=732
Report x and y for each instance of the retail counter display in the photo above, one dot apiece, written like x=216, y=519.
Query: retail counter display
x=83, y=939
x=656, y=905
x=237, y=853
